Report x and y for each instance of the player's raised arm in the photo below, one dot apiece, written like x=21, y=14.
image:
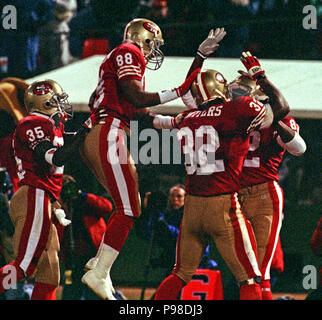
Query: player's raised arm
x=134, y=92
x=277, y=101
x=58, y=156
x=208, y=47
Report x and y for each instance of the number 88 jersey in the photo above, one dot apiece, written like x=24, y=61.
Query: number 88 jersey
x=30, y=131
x=123, y=63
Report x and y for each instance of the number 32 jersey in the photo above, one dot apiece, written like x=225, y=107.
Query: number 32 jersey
x=215, y=142
x=30, y=131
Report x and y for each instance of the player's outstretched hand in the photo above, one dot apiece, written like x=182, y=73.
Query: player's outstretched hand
x=211, y=43
x=252, y=65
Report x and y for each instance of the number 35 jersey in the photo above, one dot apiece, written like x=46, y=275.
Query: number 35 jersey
x=32, y=171
x=215, y=142
x=264, y=155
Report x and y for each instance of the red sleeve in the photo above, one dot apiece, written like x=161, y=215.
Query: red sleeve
x=249, y=113
x=290, y=122
x=128, y=64
x=316, y=240
x=98, y=206
x=34, y=131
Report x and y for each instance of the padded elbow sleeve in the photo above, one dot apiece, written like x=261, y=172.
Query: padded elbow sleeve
x=295, y=147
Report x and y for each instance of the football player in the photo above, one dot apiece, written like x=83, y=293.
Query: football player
x=120, y=92
x=261, y=197
x=215, y=140
x=40, y=154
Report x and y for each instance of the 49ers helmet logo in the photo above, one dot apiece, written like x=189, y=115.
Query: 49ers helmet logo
x=151, y=27
x=43, y=89
x=220, y=78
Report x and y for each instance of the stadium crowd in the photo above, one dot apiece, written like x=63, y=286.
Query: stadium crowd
x=66, y=24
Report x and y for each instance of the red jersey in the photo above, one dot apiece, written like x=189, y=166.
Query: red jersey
x=31, y=130
x=215, y=142
x=7, y=160
x=264, y=155
x=123, y=63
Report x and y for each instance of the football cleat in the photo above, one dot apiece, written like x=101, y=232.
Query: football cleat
x=100, y=285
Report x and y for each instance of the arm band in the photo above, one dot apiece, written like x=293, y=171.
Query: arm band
x=188, y=100
x=164, y=122
x=295, y=147
x=168, y=95
x=201, y=55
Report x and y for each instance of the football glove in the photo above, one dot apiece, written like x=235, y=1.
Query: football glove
x=252, y=65
x=61, y=217
x=97, y=117
x=210, y=44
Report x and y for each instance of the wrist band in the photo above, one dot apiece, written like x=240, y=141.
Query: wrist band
x=295, y=147
x=167, y=95
x=163, y=122
x=202, y=56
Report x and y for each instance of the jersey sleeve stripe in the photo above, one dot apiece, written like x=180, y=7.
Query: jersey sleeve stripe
x=130, y=66
x=257, y=120
x=128, y=71
x=129, y=74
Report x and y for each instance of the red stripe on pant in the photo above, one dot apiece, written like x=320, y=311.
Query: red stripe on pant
x=125, y=173
x=177, y=265
x=39, y=237
x=242, y=255
x=275, y=228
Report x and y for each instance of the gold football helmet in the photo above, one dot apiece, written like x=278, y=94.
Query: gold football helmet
x=47, y=97
x=242, y=86
x=209, y=85
x=146, y=34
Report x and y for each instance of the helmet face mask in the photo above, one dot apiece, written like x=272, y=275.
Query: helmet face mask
x=209, y=85
x=245, y=87
x=47, y=97
x=155, y=57
x=148, y=36
x=241, y=87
